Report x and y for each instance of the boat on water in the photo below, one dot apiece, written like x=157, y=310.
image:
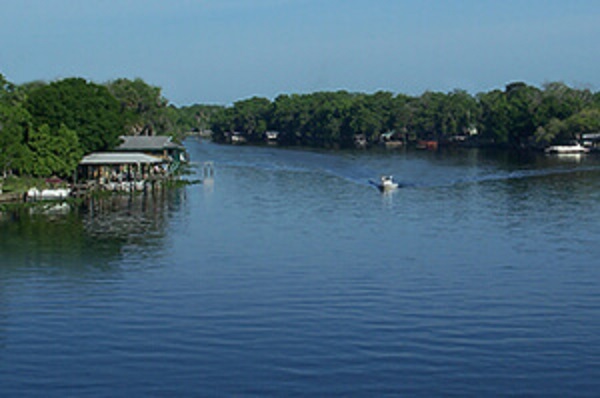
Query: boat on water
x=387, y=183
x=570, y=149
x=48, y=194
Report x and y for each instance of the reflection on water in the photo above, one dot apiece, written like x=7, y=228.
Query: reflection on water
x=92, y=234
x=209, y=184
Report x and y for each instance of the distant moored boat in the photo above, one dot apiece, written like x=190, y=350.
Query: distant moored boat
x=575, y=148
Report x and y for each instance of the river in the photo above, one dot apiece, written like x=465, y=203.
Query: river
x=288, y=274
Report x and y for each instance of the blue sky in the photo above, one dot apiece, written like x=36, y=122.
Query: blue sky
x=220, y=51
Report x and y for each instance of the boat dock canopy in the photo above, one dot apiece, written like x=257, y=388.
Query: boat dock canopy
x=116, y=158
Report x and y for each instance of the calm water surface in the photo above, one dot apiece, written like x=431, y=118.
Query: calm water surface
x=288, y=274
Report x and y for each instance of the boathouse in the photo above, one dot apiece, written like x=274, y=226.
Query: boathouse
x=121, y=171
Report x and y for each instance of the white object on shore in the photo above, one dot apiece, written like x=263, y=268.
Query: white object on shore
x=567, y=149
x=48, y=194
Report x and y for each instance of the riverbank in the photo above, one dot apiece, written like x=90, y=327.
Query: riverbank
x=421, y=146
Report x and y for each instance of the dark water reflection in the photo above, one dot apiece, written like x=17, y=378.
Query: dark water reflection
x=95, y=234
x=288, y=274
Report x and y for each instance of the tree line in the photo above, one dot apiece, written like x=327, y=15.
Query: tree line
x=519, y=116
x=46, y=128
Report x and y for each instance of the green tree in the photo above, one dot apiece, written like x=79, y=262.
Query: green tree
x=494, y=117
x=194, y=118
x=291, y=116
x=401, y=114
x=251, y=117
x=14, y=126
x=54, y=153
x=428, y=118
x=87, y=108
x=555, y=130
x=145, y=105
x=364, y=119
x=585, y=122
x=222, y=122
x=522, y=102
x=5, y=86
x=558, y=101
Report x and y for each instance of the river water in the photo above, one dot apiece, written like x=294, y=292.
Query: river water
x=289, y=274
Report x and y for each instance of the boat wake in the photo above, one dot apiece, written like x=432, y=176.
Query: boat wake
x=513, y=175
x=365, y=170
x=361, y=175
x=288, y=161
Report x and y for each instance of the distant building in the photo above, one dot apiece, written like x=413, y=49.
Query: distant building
x=272, y=135
x=391, y=139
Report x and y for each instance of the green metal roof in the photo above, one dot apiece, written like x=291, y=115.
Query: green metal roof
x=147, y=143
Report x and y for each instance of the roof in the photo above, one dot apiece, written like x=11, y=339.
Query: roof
x=100, y=158
x=389, y=134
x=146, y=143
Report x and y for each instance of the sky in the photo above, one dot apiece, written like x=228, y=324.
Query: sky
x=222, y=51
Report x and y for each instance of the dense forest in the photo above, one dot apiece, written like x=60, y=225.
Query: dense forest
x=45, y=128
x=519, y=117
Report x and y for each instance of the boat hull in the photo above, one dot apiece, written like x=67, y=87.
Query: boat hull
x=388, y=187
x=566, y=149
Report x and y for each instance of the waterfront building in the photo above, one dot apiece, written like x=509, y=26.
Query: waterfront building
x=120, y=171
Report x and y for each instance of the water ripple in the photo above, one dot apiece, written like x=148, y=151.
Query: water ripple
x=290, y=276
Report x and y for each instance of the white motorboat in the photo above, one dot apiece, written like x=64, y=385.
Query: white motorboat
x=567, y=149
x=48, y=194
x=387, y=183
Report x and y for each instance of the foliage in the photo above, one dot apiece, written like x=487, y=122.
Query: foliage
x=20, y=184
x=144, y=105
x=54, y=152
x=550, y=132
x=14, y=125
x=520, y=116
x=88, y=109
x=584, y=122
x=194, y=118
